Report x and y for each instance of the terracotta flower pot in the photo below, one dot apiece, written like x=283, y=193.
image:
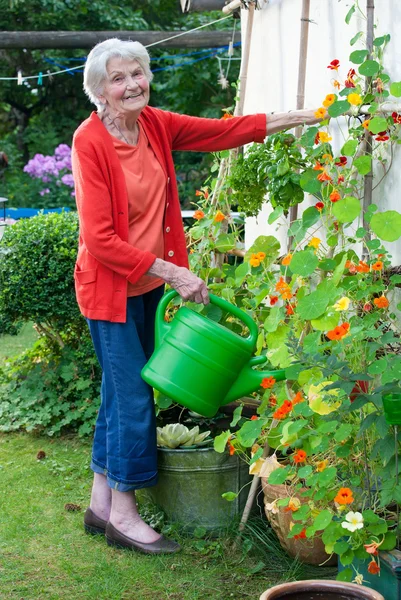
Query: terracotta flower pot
x=308, y=551
x=316, y=589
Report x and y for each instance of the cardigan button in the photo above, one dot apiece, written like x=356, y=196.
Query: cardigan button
x=167, y=229
x=170, y=253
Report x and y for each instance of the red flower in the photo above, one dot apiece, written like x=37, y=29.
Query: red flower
x=227, y=116
x=341, y=161
x=334, y=65
x=340, y=179
x=254, y=418
x=396, y=117
x=300, y=536
x=338, y=332
x=373, y=568
x=289, y=309
x=299, y=457
x=335, y=196
x=324, y=176
x=344, y=496
x=267, y=382
x=273, y=300
x=231, y=448
x=349, y=80
x=382, y=137
x=319, y=205
x=367, y=307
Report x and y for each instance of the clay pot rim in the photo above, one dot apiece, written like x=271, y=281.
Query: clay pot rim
x=323, y=585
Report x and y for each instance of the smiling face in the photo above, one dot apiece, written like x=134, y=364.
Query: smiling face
x=126, y=89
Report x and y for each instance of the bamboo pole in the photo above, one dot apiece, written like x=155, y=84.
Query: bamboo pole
x=239, y=108
x=303, y=55
x=368, y=180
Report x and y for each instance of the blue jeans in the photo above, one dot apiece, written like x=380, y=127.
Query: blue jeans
x=124, y=446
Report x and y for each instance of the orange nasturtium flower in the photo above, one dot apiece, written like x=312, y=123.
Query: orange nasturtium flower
x=261, y=255
x=336, y=84
x=219, y=217
x=335, y=196
x=293, y=505
x=338, y=332
x=381, y=302
x=199, y=214
x=254, y=418
x=315, y=242
x=227, y=115
x=289, y=309
x=377, y=266
x=344, y=496
x=373, y=568
x=362, y=267
x=254, y=261
x=286, y=260
x=320, y=113
x=298, y=398
x=301, y=536
x=328, y=101
x=299, y=456
x=318, y=166
x=324, y=176
x=267, y=382
x=372, y=547
x=321, y=465
x=365, y=124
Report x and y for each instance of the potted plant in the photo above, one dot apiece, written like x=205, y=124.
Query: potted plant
x=326, y=312
x=194, y=479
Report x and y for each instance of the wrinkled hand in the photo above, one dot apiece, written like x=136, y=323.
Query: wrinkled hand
x=189, y=286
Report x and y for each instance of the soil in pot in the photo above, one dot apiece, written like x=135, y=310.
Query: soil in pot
x=320, y=590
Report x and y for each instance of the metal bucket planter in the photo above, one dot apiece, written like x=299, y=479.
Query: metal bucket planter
x=388, y=582
x=306, y=550
x=320, y=590
x=191, y=484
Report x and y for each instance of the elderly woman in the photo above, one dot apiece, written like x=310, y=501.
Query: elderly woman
x=132, y=242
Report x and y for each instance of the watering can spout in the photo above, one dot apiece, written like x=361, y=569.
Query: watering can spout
x=249, y=380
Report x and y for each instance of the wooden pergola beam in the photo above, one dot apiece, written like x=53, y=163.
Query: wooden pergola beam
x=87, y=39
x=201, y=5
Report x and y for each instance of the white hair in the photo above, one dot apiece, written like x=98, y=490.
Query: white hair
x=95, y=72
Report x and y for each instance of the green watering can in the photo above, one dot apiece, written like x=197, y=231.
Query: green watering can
x=201, y=364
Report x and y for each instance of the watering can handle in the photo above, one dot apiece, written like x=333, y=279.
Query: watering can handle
x=162, y=327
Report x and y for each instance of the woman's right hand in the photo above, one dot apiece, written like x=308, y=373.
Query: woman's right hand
x=189, y=286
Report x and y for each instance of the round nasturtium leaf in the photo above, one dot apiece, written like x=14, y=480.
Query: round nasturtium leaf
x=377, y=125
x=326, y=322
x=363, y=164
x=349, y=148
x=338, y=108
x=395, y=89
x=347, y=209
x=358, y=56
x=313, y=305
x=369, y=68
x=386, y=225
x=304, y=263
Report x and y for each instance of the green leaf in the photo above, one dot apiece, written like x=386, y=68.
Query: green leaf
x=349, y=14
x=358, y=56
x=275, y=214
x=390, y=541
x=249, y=432
x=225, y=242
x=363, y=164
x=323, y=519
x=341, y=547
x=339, y=270
x=220, y=441
x=326, y=476
x=395, y=89
x=346, y=575
x=304, y=472
x=276, y=315
x=377, y=367
x=310, y=216
x=304, y=263
x=229, y=496
x=278, y=476
x=343, y=432
x=377, y=125
x=347, y=209
x=347, y=557
x=326, y=322
x=313, y=305
x=338, y=108
x=379, y=41
x=369, y=68
x=309, y=182
x=241, y=272
x=237, y=414
x=387, y=225
x=267, y=244
x=349, y=148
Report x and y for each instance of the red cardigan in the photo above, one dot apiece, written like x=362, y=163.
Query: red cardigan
x=105, y=260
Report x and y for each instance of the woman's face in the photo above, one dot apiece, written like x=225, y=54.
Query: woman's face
x=126, y=89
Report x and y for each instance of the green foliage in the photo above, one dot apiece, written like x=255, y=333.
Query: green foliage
x=36, y=272
x=268, y=168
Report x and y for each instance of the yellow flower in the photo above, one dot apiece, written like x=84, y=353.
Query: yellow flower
x=324, y=137
x=219, y=217
x=254, y=261
x=321, y=465
x=261, y=255
x=315, y=242
x=342, y=304
x=354, y=99
x=320, y=113
x=328, y=101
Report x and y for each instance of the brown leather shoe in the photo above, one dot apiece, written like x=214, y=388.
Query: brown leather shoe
x=119, y=540
x=93, y=524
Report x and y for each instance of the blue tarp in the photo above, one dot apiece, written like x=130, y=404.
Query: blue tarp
x=25, y=213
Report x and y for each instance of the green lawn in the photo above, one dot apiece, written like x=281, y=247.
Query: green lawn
x=45, y=553
x=12, y=345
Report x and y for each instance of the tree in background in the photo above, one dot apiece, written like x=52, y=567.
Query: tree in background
x=36, y=118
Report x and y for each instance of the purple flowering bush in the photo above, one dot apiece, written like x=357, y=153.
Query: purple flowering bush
x=44, y=182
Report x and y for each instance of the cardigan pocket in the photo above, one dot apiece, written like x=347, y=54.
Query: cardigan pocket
x=85, y=285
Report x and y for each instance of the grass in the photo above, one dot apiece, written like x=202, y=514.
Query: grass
x=12, y=345
x=45, y=553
